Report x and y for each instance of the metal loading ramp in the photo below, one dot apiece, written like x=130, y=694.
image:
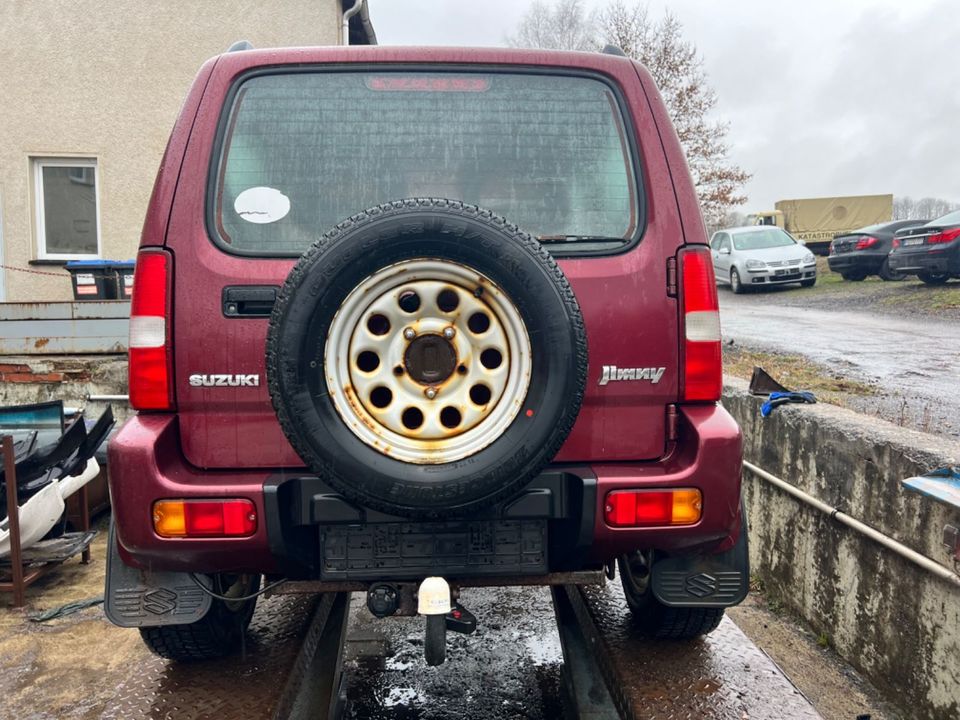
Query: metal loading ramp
x=294, y=668
x=288, y=638
x=723, y=676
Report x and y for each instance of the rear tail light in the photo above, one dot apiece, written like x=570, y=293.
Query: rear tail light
x=896, y=243
x=944, y=237
x=702, y=376
x=151, y=355
x=866, y=241
x=234, y=517
x=644, y=508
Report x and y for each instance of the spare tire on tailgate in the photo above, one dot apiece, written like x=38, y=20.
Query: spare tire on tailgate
x=426, y=358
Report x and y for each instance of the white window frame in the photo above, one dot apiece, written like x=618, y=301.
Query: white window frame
x=39, y=163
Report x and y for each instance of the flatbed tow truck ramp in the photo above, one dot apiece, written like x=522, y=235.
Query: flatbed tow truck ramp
x=295, y=669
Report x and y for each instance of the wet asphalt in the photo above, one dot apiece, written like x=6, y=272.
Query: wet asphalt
x=511, y=667
x=911, y=360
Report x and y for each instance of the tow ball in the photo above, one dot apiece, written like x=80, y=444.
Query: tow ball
x=433, y=602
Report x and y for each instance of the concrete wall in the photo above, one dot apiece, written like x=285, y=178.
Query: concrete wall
x=896, y=623
x=32, y=379
x=105, y=80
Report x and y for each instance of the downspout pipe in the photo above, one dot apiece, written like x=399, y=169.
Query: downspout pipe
x=888, y=542
x=345, y=31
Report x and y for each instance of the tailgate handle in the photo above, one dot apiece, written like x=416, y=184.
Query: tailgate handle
x=249, y=300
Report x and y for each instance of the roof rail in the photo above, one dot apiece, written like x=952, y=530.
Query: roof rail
x=613, y=50
x=240, y=45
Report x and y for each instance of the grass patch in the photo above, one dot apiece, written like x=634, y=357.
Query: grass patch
x=923, y=297
x=794, y=372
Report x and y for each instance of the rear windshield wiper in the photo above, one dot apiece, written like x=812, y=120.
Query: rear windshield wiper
x=578, y=238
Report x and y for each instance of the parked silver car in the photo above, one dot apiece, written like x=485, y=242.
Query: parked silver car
x=760, y=255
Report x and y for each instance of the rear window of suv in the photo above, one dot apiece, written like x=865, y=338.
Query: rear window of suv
x=303, y=151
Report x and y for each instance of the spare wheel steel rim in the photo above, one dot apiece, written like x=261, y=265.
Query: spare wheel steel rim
x=427, y=361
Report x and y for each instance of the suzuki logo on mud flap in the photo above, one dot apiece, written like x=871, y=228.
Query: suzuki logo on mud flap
x=612, y=373
x=224, y=381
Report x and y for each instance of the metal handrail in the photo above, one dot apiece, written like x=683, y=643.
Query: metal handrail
x=931, y=566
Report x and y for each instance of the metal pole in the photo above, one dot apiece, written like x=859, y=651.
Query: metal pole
x=345, y=31
x=888, y=542
x=13, y=515
x=84, y=498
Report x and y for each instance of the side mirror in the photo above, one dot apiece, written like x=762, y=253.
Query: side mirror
x=724, y=251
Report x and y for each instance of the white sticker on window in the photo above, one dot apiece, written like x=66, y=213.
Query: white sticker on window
x=262, y=205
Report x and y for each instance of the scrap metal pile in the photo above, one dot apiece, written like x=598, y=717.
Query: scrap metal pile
x=53, y=460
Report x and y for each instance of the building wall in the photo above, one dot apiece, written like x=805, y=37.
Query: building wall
x=105, y=80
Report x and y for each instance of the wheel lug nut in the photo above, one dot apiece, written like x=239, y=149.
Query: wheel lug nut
x=449, y=332
x=409, y=333
x=430, y=392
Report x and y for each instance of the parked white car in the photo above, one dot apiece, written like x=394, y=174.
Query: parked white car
x=760, y=256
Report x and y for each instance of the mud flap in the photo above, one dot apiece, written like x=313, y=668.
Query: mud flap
x=721, y=580
x=136, y=598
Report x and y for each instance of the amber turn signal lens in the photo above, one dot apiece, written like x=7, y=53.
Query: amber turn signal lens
x=647, y=508
x=232, y=517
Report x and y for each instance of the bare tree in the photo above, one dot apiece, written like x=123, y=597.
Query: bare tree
x=677, y=68
x=906, y=208
x=564, y=25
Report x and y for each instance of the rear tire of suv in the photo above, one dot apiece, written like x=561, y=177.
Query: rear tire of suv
x=218, y=634
x=934, y=278
x=366, y=409
x=653, y=618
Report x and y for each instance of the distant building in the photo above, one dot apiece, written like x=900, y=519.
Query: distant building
x=91, y=90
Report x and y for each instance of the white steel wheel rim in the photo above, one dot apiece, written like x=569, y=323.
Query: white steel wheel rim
x=375, y=400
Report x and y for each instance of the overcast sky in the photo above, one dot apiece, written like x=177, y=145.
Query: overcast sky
x=824, y=97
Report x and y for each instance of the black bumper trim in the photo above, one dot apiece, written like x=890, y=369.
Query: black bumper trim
x=296, y=505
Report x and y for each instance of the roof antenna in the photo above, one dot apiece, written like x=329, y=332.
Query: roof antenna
x=240, y=45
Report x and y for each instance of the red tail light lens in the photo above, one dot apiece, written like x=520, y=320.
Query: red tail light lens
x=896, y=243
x=205, y=518
x=866, y=241
x=151, y=357
x=702, y=362
x=944, y=237
x=644, y=508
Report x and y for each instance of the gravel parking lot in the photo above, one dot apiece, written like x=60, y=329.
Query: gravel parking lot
x=898, y=338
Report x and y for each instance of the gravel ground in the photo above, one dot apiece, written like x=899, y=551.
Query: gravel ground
x=910, y=360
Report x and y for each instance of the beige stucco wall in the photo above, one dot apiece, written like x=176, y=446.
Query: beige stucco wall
x=88, y=78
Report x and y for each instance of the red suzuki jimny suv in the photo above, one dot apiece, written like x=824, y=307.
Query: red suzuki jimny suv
x=407, y=320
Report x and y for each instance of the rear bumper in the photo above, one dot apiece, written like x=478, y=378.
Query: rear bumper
x=856, y=262
x=293, y=507
x=945, y=260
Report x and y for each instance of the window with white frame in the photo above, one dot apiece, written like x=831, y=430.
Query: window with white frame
x=68, y=208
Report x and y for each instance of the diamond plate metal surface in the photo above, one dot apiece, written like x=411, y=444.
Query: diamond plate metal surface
x=723, y=676
x=255, y=684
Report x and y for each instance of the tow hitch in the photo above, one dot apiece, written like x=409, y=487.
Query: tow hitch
x=433, y=601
